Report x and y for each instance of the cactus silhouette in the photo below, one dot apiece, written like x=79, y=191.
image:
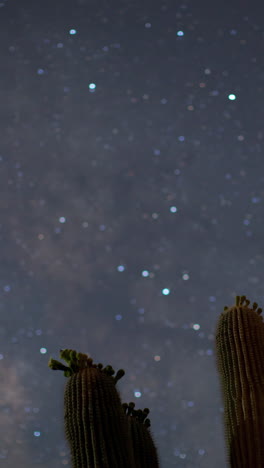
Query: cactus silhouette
x=101, y=431
x=105, y=433
x=240, y=363
x=145, y=452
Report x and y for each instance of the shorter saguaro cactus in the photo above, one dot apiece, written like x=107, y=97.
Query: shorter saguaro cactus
x=145, y=452
x=240, y=362
x=102, y=432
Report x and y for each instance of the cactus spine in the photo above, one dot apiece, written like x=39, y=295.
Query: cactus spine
x=101, y=433
x=240, y=363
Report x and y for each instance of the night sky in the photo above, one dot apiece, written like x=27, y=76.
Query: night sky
x=132, y=186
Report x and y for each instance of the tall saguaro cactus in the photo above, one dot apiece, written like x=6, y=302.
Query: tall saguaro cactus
x=240, y=362
x=102, y=432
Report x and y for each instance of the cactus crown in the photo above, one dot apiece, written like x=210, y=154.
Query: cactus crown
x=243, y=301
x=139, y=415
x=77, y=361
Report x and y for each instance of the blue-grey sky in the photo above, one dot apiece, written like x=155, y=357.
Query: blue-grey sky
x=131, y=162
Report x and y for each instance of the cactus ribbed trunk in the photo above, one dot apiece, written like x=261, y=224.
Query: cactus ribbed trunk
x=95, y=423
x=240, y=362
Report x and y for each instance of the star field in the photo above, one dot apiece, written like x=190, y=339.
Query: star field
x=131, y=210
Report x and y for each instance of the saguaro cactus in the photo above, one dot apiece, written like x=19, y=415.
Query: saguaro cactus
x=145, y=452
x=102, y=432
x=240, y=362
